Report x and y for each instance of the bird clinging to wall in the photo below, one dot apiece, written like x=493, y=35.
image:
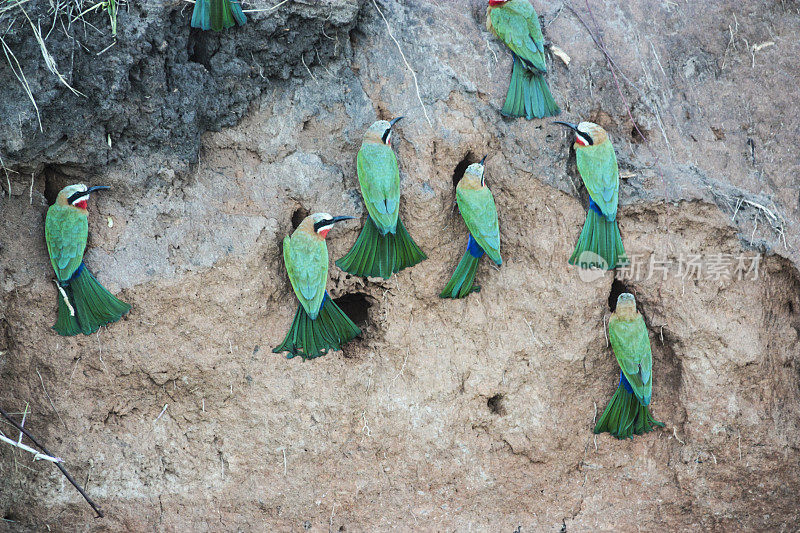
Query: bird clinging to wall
x=477, y=208
x=628, y=413
x=599, y=244
x=384, y=246
x=516, y=24
x=319, y=324
x=83, y=304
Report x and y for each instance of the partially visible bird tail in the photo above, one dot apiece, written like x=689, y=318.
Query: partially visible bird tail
x=312, y=338
x=599, y=245
x=217, y=14
x=379, y=255
x=625, y=416
x=528, y=94
x=84, y=305
x=461, y=282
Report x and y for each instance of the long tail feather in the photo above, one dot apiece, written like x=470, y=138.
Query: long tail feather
x=90, y=305
x=544, y=103
x=379, y=255
x=515, y=97
x=238, y=14
x=201, y=15
x=599, y=245
x=528, y=94
x=312, y=338
x=67, y=323
x=625, y=416
x=462, y=281
x=217, y=15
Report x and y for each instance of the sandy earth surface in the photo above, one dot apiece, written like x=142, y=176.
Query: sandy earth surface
x=470, y=415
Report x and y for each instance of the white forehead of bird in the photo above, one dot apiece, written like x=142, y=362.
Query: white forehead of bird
x=595, y=131
x=69, y=190
x=379, y=127
x=475, y=170
x=319, y=217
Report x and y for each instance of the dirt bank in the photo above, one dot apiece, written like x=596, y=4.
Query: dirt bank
x=446, y=415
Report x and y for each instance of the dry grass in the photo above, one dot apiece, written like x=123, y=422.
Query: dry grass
x=25, y=18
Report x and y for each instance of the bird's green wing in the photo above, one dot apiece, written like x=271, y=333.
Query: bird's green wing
x=306, y=260
x=517, y=25
x=379, y=178
x=598, y=168
x=65, y=231
x=631, y=345
x=479, y=212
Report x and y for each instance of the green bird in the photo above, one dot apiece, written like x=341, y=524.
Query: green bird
x=599, y=244
x=83, y=304
x=516, y=24
x=476, y=204
x=628, y=414
x=384, y=247
x=217, y=15
x=319, y=324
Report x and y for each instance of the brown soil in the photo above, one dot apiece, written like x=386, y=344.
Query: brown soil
x=470, y=415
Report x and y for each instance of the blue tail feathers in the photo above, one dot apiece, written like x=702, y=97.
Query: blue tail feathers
x=623, y=382
x=474, y=248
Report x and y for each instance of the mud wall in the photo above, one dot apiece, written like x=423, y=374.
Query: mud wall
x=462, y=415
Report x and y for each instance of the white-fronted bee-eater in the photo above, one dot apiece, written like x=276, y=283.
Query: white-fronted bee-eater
x=600, y=244
x=83, y=304
x=477, y=208
x=319, y=324
x=516, y=24
x=384, y=247
x=627, y=413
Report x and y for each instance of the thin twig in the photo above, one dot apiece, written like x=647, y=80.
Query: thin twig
x=276, y=6
x=413, y=74
x=53, y=405
x=36, y=454
x=164, y=410
x=63, y=470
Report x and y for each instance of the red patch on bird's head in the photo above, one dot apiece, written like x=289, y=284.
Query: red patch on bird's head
x=81, y=205
x=497, y=2
x=324, y=233
x=581, y=141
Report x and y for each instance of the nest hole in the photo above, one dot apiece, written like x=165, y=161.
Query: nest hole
x=198, y=49
x=462, y=165
x=54, y=181
x=639, y=134
x=298, y=216
x=617, y=288
x=496, y=404
x=356, y=306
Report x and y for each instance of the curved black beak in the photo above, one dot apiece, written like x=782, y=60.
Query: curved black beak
x=570, y=125
x=484, y=159
x=394, y=120
x=341, y=218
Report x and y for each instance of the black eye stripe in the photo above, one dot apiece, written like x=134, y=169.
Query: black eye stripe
x=77, y=195
x=386, y=135
x=321, y=224
x=585, y=137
